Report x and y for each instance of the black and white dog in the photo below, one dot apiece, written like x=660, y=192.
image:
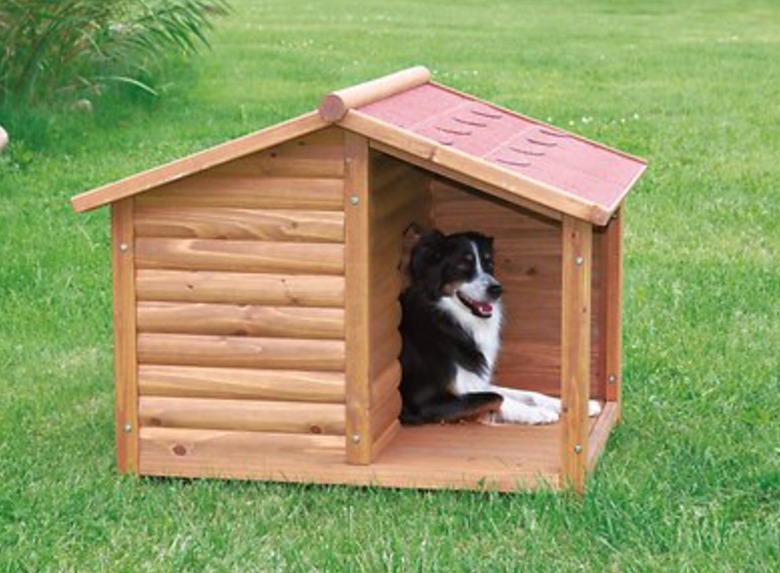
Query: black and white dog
x=451, y=326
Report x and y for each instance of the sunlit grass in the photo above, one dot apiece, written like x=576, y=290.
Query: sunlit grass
x=689, y=482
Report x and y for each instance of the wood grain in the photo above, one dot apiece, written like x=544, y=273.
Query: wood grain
x=459, y=456
x=241, y=352
x=241, y=224
x=242, y=415
x=359, y=346
x=335, y=104
x=575, y=348
x=214, y=190
x=240, y=288
x=198, y=162
x=240, y=256
x=241, y=320
x=125, y=357
x=240, y=383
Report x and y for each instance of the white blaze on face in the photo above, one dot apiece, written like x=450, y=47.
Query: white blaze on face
x=484, y=324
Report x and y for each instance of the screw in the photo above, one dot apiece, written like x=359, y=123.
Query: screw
x=579, y=261
x=577, y=449
x=128, y=428
x=612, y=379
x=123, y=248
x=354, y=199
x=355, y=438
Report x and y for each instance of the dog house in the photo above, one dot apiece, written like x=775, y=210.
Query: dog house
x=256, y=292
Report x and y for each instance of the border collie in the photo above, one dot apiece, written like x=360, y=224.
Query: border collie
x=450, y=326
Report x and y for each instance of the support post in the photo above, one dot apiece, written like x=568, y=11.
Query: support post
x=613, y=309
x=577, y=261
x=357, y=277
x=125, y=351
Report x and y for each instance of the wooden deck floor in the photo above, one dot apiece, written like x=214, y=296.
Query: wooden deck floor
x=461, y=456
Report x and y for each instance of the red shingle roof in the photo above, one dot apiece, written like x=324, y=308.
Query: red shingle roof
x=522, y=145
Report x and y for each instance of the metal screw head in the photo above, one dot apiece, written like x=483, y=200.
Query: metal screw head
x=128, y=428
x=355, y=438
x=123, y=248
x=579, y=261
x=578, y=449
x=354, y=199
x=612, y=379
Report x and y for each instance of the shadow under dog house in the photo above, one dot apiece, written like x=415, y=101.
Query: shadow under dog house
x=256, y=292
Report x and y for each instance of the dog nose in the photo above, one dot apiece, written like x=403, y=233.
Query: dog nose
x=495, y=290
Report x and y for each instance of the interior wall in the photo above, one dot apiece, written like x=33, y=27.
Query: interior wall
x=528, y=264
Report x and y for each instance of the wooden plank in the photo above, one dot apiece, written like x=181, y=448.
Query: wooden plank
x=534, y=365
x=335, y=104
x=240, y=383
x=198, y=162
x=210, y=190
x=386, y=383
x=242, y=415
x=317, y=154
x=358, y=265
x=241, y=320
x=240, y=224
x=612, y=310
x=575, y=348
x=240, y=288
x=456, y=456
x=599, y=433
x=241, y=352
x=225, y=454
x=384, y=440
x=240, y=256
x=125, y=359
x=384, y=414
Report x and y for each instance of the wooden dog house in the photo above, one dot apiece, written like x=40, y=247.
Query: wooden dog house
x=256, y=287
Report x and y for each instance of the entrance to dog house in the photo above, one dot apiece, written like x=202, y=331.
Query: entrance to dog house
x=528, y=252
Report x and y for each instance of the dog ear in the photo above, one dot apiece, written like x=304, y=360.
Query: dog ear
x=425, y=253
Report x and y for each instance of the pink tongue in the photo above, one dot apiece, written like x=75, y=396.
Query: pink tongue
x=482, y=307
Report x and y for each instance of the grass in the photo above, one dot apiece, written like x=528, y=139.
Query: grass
x=690, y=481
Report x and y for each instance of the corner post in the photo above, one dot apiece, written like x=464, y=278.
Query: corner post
x=577, y=261
x=357, y=279
x=613, y=303
x=125, y=351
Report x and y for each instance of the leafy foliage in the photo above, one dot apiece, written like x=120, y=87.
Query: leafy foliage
x=52, y=47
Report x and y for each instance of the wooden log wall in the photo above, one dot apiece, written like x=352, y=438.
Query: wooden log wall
x=528, y=264
x=240, y=302
x=399, y=196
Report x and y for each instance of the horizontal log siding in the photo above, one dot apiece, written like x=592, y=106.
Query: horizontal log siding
x=240, y=289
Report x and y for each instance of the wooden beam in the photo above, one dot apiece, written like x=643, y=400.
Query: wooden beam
x=357, y=312
x=577, y=262
x=335, y=104
x=240, y=288
x=125, y=357
x=241, y=383
x=613, y=301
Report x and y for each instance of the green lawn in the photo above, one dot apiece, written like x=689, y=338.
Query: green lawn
x=689, y=482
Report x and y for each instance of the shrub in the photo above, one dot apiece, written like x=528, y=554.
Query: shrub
x=54, y=47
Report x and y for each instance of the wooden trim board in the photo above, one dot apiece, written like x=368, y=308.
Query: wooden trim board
x=125, y=350
x=459, y=456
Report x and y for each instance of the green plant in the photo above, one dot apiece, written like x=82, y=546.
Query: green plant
x=51, y=47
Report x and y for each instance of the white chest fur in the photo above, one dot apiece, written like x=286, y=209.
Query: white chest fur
x=486, y=333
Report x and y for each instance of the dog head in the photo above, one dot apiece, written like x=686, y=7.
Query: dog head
x=458, y=265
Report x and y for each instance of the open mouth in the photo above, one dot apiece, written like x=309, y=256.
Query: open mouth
x=477, y=307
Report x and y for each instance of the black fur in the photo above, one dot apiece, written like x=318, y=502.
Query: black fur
x=434, y=344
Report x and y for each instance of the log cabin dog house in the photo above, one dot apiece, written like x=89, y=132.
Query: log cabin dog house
x=256, y=292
